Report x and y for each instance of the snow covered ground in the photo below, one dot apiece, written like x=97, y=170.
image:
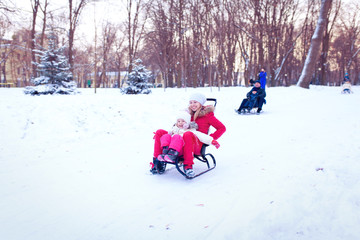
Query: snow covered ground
x=77, y=167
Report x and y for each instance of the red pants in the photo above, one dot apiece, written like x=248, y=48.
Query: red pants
x=187, y=146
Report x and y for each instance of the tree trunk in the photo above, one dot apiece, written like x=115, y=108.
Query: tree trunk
x=74, y=15
x=44, y=10
x=135, y=27
x=314, y=51
x=35, y=8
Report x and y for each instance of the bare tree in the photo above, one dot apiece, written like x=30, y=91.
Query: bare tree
x=75, y=9
x=162, y=39
x=83, y=65
x=44, y=9
x=195, y=46
x=291, y=45
x=246, y=38
x=135, y=26
x=6, y=7
x=354, y=43
x=199, y=42
x=330, y=21
x=35, y=8
x=231, y=41
x=119, y=59
x=180, y=12
x=314, y=51
x=345, y=48
x=5, y=47
x=107, y=41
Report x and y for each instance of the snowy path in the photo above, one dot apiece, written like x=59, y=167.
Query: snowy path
x=76, y=167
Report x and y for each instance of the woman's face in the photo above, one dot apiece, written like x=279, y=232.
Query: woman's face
x=194, y=105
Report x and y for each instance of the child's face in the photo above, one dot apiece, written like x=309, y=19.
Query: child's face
x=194, y=105
x=180, y=123
x=257, y=84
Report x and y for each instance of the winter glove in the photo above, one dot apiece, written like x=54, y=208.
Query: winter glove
x=215, y=143
x=193, y=125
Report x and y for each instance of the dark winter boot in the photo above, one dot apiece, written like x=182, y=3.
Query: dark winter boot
x=258, y=111
x=171, y=155
x=157, y=167
x=160, y=166
x=153, y=169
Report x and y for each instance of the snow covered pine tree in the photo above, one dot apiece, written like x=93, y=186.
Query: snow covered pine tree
x=138, y=79
x=54, y=72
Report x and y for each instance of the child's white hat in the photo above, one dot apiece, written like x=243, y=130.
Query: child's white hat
x=184, y=115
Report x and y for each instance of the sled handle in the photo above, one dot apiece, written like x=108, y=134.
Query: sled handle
x=213, y=100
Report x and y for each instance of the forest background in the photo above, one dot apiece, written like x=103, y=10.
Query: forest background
x=185, y=43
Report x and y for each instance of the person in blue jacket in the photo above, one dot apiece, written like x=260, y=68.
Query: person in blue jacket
x=346, y=78
x=262, y=78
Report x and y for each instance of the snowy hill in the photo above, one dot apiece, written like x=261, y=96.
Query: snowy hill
x=77, y=167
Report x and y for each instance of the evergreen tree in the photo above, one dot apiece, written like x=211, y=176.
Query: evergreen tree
x=53, y=71
x=138, y=79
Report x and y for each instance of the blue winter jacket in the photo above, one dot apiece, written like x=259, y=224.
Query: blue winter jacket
x=260, y=92
x=262, y=78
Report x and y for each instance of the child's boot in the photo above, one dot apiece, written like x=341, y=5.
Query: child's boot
x=164, y=152
x=153, y=168
x=189, y=172
x=157, y=167
x=171, y=155
x=161, y=166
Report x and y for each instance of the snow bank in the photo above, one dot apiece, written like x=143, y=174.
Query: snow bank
x=76, y=167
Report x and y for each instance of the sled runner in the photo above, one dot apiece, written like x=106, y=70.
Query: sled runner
x=206, y=158
x=252, y=111
x=250, y=108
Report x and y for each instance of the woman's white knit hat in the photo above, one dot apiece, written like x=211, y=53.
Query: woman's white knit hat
x=198, y=97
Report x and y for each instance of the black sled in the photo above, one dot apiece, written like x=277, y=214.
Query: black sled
x=207, y=158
